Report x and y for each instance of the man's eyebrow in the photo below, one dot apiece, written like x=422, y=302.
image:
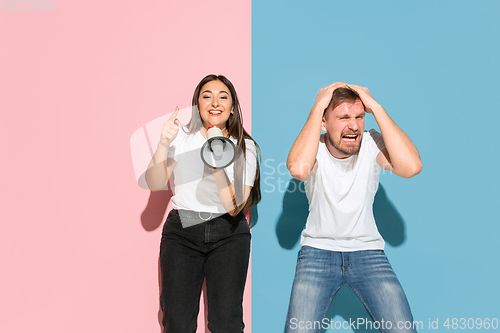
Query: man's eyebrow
x=343, y=115
x=209, y=91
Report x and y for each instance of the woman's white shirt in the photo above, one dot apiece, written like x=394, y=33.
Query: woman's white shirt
x=193, y=183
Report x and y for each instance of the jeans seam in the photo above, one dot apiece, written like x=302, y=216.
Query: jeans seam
x=366, y=306
x=331, y=299
x=344, y=268
x=206, y=233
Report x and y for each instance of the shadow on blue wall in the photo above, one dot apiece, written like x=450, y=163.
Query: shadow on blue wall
x=293, y=219
x=255, y=216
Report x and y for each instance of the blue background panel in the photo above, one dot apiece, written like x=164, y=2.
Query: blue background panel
x=434, y=66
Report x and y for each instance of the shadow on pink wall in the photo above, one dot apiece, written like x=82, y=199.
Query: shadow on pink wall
x=152, y=216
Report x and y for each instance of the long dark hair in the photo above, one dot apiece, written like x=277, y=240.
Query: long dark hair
x=235, y=129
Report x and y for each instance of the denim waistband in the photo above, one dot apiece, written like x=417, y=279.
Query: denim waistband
x=197, y=231
x=189, y=218
x=202, y=216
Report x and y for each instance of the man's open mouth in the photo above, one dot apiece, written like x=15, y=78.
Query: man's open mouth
x=350, y=137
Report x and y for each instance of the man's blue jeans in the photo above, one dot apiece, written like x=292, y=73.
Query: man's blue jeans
x=321, y=273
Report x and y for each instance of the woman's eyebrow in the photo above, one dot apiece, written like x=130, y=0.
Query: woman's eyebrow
x=209, y=91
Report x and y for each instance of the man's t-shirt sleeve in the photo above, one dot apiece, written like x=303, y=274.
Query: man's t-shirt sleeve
x=376, y=143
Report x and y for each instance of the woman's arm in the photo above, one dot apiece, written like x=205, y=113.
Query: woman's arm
x=232, y=202
x=160, y=168
x=227, y=195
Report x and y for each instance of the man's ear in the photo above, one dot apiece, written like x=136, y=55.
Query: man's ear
x=323, y=122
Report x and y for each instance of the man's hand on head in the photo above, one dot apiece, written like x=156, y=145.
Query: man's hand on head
x=366, y=97
x=324, y=96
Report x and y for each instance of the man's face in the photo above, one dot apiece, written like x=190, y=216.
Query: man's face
x=344, y=126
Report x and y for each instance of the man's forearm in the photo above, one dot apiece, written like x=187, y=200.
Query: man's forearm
x=302, y=156
x=303, y=153
x=403, y=155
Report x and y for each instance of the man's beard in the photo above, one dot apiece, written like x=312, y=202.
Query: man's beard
x=352, y=150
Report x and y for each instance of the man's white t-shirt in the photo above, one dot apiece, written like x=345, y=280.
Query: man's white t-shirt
x=341, y=194
x=193, y=184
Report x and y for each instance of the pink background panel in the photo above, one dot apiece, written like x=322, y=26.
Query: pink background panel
x=78, y=245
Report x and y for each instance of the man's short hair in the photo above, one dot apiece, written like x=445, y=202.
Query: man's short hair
x=341, y=95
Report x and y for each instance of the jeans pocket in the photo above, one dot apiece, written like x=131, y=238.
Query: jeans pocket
x=173, y=217
x=307, y=252
x=245, y=226
x=173, y=223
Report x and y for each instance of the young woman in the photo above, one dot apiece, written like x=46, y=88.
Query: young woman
x=206, y=234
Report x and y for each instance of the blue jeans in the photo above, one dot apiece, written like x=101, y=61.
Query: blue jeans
x=217, y=250
x=321, y=273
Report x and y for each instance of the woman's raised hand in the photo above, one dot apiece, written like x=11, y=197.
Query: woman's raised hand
x=170, y=129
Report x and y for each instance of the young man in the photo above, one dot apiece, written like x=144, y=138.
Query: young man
x=341, y=245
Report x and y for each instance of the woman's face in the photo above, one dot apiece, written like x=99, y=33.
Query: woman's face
x=215, y=104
